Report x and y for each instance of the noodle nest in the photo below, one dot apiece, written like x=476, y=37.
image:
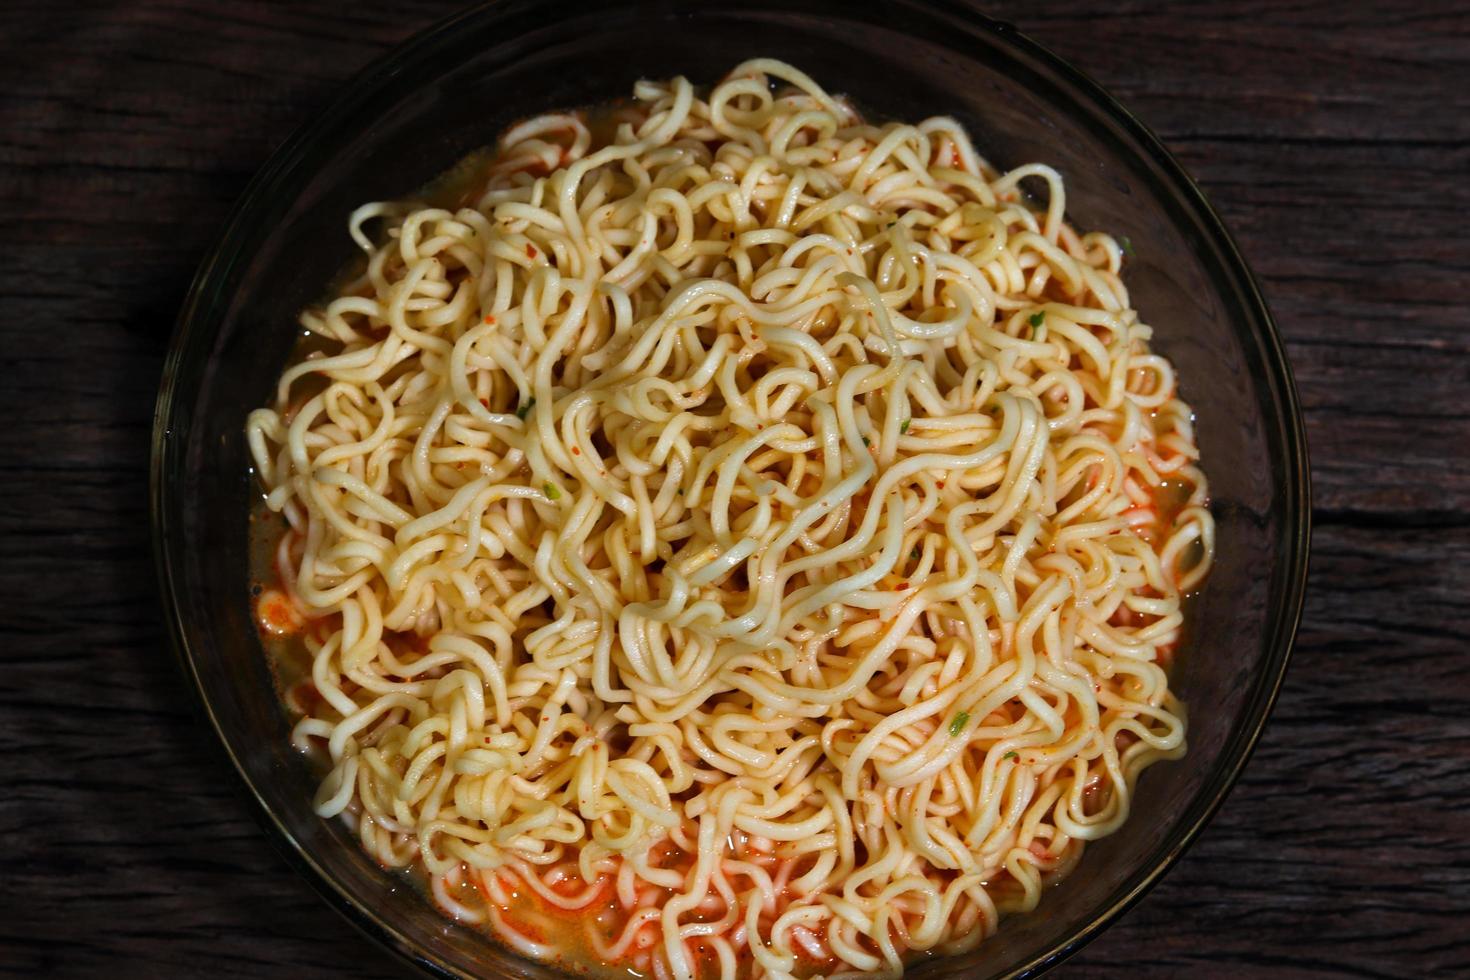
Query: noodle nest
x=754, y=537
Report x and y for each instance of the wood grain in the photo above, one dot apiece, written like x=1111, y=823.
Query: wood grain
x=1335, y=139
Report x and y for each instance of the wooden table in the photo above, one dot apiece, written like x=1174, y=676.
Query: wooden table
x=1334, y=137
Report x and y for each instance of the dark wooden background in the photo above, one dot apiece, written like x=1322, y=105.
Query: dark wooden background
x=1335, y=139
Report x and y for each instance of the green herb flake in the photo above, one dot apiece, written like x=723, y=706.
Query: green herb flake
x=1127, y=245
x=1010, y=755
x=903, y=426
x=523, y=410
x=866, y=441
x=959, y=723
x=916, y=554
x=1037, y=319
x=551, y=491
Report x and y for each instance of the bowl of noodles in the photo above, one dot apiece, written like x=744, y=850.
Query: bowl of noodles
x=693, y=492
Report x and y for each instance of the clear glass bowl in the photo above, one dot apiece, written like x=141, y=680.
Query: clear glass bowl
x=451, y=90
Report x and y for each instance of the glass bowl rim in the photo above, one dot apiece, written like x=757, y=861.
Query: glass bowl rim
x=201, y=311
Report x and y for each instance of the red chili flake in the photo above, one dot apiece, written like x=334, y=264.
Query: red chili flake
x=276, y=614
x=902, y=586
x=531, y=252
x=940, y=484
x=490, y=320
x=576, y=451
x=485, y=402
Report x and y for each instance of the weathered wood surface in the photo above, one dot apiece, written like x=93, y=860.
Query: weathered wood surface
x=1334, y=137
